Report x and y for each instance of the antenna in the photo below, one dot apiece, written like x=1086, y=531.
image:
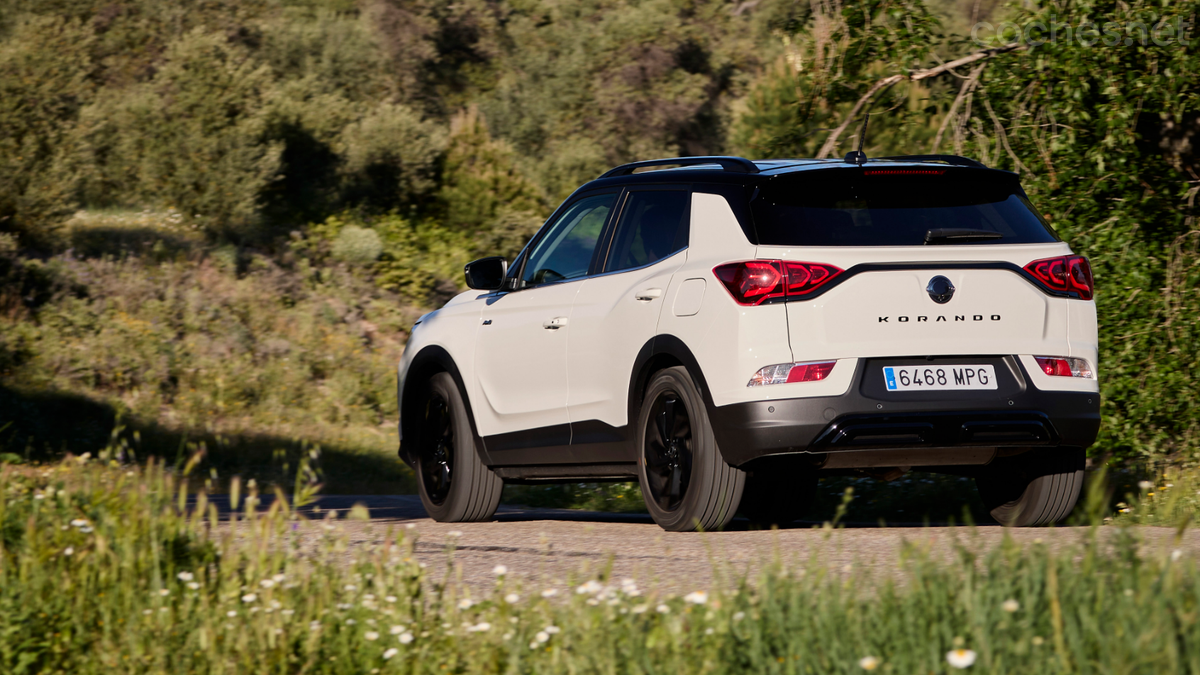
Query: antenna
x=858, y=156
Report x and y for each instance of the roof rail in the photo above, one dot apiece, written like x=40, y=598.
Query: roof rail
x=734, y=164
x=953, y=160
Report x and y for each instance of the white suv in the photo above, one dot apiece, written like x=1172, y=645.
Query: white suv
x=726, y=331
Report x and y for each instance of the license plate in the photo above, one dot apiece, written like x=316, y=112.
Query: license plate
x=933, y=378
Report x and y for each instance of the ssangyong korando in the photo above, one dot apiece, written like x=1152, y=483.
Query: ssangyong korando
x=726, y=331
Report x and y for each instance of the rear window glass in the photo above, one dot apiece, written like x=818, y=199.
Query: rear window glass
x=852, y=207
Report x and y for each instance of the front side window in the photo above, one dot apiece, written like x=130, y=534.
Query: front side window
x=566, y=250
x=654, y=224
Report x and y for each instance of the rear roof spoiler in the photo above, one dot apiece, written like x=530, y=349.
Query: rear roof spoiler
x=953, y=160
x=733, y=164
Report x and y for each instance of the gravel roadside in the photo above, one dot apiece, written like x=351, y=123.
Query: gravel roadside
x=554, y=548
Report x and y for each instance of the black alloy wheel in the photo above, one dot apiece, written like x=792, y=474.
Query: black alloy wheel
x=686, y=483
x=437, y=454
x=668, y=448
x=455, y=486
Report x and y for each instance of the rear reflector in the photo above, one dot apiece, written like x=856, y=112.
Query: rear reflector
x=792, y=372
x=1068, y=273
x=1065, y=366
x=753, y=282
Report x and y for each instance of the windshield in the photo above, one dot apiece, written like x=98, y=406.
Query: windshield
x=895, y=207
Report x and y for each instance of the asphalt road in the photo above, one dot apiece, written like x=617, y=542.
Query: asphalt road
x=555, y=548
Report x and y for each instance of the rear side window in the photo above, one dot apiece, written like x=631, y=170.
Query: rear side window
x=861, y=207
x=654, y=224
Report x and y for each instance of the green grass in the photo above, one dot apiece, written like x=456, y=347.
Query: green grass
x=101, y=571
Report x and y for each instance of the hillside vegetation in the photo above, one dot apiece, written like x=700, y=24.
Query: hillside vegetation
x=219, y=219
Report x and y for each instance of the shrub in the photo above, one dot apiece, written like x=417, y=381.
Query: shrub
x=357, y=245
x=192, y=138
x=45, y=78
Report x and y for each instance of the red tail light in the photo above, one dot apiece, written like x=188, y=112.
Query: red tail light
x=810, y=372
x=1065, y=366
x=755, y=281
x=1068, y=273
x=781, y=373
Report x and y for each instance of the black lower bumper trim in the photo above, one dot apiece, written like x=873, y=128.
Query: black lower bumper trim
x=1023, y=416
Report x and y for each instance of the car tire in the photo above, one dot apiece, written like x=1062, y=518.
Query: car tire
x=454, y=484
x=1038, y=487
x=686, y=483
x=778, y=493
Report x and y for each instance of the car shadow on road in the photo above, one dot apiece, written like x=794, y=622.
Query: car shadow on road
x=408, y=508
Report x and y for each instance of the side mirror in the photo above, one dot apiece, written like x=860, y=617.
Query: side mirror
x=486, y=274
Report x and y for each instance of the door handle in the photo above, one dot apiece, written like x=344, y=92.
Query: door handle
x=649, y=294
x=555, y=323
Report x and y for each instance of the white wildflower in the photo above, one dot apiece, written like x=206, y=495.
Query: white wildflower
x=512, y=598
x=349, y=588
x=185, y=576
x=481, y=627
x=392, y=651
x=1176, y=555
x=663, y=609
x=549, y=592
x=69, y=551
x=465, y=603
x=553, y=630
x=278, y=578
x=79, y=522
x=454, y=534
x=960, y=658
x=500, y=570
x=406, y=638
x=267, y=583
x=164, y=592
x=396, y=630
x=1010, y=606
x=249, y=597
x=1145, y=484
x=390, y=598
x=231, y=613
x=193, y=585
x=541, y=636
x=868, y=663
x=371, y=635
x=696, y=597
x=738, y=616
x=639, y=609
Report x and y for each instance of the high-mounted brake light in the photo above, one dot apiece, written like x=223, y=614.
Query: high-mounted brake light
x=904, y=172
x=1068, y=273
x=792, y=372
x=1065, y=366
x=753, y=282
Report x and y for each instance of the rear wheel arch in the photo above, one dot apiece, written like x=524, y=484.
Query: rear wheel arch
x=659, y=353
x=429, y=362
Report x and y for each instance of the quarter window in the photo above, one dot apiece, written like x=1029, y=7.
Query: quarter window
x=567, y=249
x=654, y=225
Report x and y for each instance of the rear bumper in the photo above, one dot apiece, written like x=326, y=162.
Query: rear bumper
x=864, y=418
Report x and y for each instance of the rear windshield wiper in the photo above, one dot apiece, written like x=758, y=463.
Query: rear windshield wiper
x=954, y=235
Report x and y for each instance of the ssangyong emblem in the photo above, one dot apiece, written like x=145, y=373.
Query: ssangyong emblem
x=940, y=290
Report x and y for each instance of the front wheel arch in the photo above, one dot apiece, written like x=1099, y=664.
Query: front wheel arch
x=429, y=362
